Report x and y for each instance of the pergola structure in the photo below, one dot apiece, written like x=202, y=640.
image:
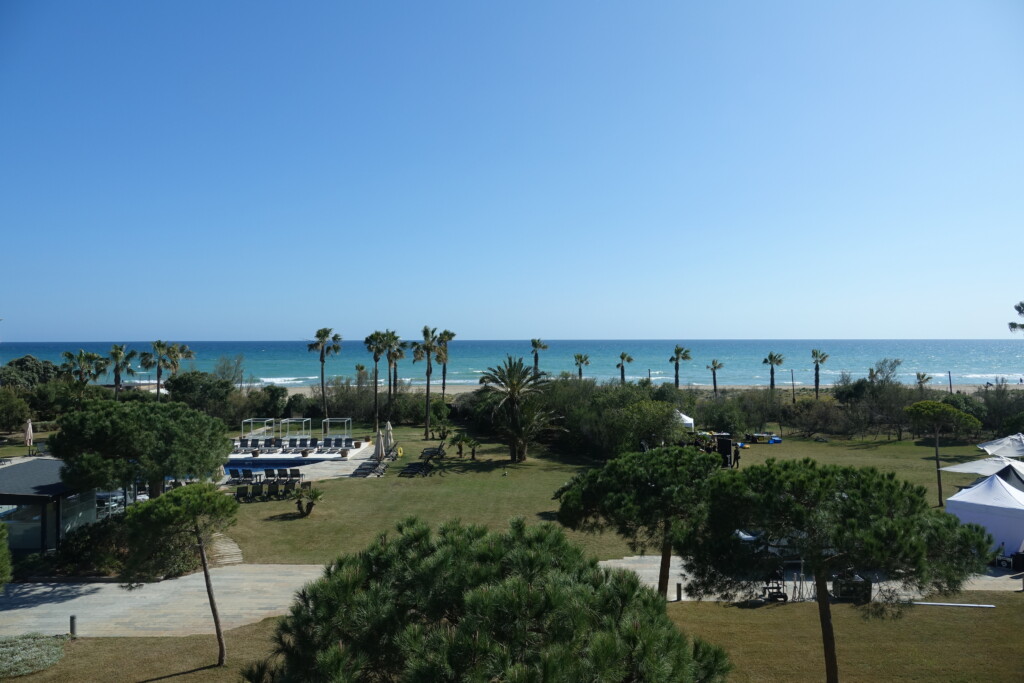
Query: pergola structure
x=259, y=427
x=337, y=426
x=302, y=426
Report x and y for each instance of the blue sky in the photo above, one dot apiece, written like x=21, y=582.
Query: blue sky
x=251, y=170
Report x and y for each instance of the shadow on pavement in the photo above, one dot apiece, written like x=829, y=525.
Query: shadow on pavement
x=25, y=595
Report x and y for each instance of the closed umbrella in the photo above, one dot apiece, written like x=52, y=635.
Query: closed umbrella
x=389, y=437
x=378, y=446
x=28, y=433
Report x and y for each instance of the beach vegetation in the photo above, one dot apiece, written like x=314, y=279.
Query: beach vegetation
x=772, y=361
x=679, y=355
x=818, y=357
x=193, y=512
x=580, y=360
x=646, y=497
x=512, y=395
x=463, y=603
x=119, y=361
x=28, y=371
x=536, y=346
x=624, y=359
x=327, y=342
x=714, y=367
x=162, y=357
x=108, y=445
x=839, y=521
x=1019, y=307
x=202, y=391
x=83, y=368
x=14, y=410
x=424, y=350
x=230, y=369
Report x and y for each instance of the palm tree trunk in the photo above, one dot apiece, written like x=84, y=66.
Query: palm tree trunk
x=444, y=379
x=323, y=385
x=828, y=636
x=622, y=375
x=426, y=418
x=222, y=653
x=159, y=374
x=714, y=382
x=816, y=381
x=773, y=377
x=580, y=367
x=677, y=375
x=536, y=363
x=376, y=405
x=117, y=385
x=938, y=470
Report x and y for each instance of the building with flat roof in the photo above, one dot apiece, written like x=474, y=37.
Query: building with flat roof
x=37, y=507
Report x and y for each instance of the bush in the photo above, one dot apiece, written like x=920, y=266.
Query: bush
x=14, y=411
x=21, y=655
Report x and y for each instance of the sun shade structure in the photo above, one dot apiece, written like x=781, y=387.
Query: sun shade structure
x=685, y=419
x=996, y=503
x=38, y=508
x=337, y=426
x=985, y=467
x=1009, y=446
x=259, y=427
x=302, y=427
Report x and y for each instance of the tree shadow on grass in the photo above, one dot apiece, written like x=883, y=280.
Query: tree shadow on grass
x=181, y=673
x=449, y=466
x=283, y=517
x=548, y=515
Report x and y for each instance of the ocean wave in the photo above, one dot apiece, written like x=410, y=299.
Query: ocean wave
x=286, y=380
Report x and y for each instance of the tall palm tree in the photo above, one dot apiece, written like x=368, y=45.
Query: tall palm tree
x=120, y=362
x=327, y=343
x=84, y=366
x=425, y=350
x=581, y=359
x=621, y=365
x=679, y=355
x=157, y=358
x=376, y=344
x=771, y=361
x=818, y=357
x=511, y=384
x=922, y=379
x=538, y=346
x=442, y=357
x=395, y=354
x=177, y=353
x=390, y=341
x=714, y=368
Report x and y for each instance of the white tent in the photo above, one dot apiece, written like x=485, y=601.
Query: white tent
x=986, y=466
x=996, y=505
x=1009, y=446
x=685, y=419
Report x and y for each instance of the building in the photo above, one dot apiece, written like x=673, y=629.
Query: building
x=38, y=508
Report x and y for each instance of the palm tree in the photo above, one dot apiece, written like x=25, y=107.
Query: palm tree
x=714, y=368
x=177, y=353
x=818, y=357
x=390, y=342
x=157, y=358
x=84, y=366
x=120, y=361
x=679, y=355
x=538, y=346
x=425, y=350
x=922, y=379
x=771, y=361
x=512, y=384
x=581, y=359
x=621, y=365
x=442, y=357
x=396, y=354
x=376, y=344
x=327, y=343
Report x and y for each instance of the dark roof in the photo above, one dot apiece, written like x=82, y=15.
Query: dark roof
x=36, y=477
x=1011, y=476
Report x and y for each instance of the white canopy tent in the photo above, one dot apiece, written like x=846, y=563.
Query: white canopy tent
x=996, y=505
x=685, y=419
x=985, y=466
x=1009, y=446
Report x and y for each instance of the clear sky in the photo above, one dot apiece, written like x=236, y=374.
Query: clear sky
x=680, y=170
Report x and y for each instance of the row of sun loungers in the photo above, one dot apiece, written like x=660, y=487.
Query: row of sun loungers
x=274, y=490
x=294, y=446
x=280, y=475
x=371, y=468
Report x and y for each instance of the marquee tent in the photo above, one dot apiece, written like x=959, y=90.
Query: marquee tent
x=685, y=419
x=1009, y=446
x=985, y=467
x=997, y=504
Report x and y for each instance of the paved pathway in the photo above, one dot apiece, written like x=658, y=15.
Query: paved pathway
x=246, y=593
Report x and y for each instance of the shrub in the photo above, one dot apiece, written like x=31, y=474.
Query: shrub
x=21, y=655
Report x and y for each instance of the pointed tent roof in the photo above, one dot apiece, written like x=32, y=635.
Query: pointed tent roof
x=1009, y=446
x=1013, y=475
x=985, y=467
x=993, y=492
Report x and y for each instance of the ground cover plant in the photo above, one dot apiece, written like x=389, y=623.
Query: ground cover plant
x=20, y=655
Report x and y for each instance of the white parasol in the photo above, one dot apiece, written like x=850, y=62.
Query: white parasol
x=28, y=433
x=389, y=437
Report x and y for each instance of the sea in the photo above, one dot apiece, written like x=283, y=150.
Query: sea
x=290, y=364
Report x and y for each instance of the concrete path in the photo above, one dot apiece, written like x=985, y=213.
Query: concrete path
x=646, y=567
x=246, y=593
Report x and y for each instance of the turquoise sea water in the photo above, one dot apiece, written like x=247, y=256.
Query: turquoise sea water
x=288, y=363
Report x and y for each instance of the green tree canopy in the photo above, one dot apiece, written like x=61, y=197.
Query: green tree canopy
x=28, y=371
x=466, y=604
x=937, y=418
x=835, y=519
x=200, y=391
x=195, y=512
x=110, y=444
x=643, y=496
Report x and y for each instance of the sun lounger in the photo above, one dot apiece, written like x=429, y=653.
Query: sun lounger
x=289, y=487
x=269, y=474
x=314, y=444
x=326, y=446
x=295, y=474
x=247, y=476
x=293, y=446
x=234, y=476
x=274, y=490
x=242, y=494
x=282, y=474
x=257, y=491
